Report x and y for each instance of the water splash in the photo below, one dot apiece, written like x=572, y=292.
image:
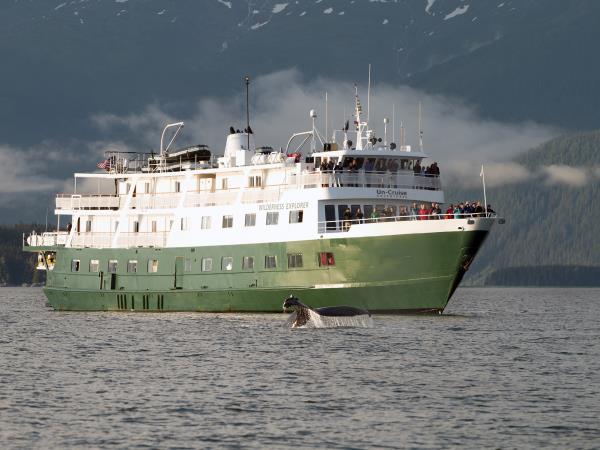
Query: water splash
x=318, y=321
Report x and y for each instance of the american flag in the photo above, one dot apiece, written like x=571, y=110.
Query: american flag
x=106, y=165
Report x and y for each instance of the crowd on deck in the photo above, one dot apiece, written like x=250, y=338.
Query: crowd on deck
x=422, y=211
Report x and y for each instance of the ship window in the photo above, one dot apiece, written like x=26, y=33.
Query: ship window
x=326, y=259
x=187, y=265
x=116, y=225
x=147, y=188
x=255, y=181
x=207, y=264
x=88, y=226
x=205, y=225
x=248, y=263
x=132, y=266
x=223, y=183
x=270, y=261
x=294, y=260
x=154, y=227
x=296, y=216
x=227, y=263
x=272, y=218
x=330, y=217
x=152, y=265
x=250, y=220
x=75, y=264
x=136, y=227
x=178, y=186
x=184, y=224
x=227, y=221
x=94, y=265
x=112, y=266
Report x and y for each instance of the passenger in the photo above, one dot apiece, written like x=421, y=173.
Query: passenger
x=69, y=227
x=423, y=212
x=489, y=210
x=375, y=215
x=417, y=168
x=359, y=216
x=414, y=211
x=450, y=212
x=479, y=210
x=433, y=212
x=347, y=219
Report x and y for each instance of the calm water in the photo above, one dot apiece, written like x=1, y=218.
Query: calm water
x=505, y=368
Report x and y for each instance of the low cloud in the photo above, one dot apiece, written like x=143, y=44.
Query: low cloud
x=566, y=175
x=454, y=135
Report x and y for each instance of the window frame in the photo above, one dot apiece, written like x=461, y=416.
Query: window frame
x=132, y=264
x=206, y=264
x=251, y=216
x=227, y=220
x=152, y=267
x=75, y=265
x=247, y=259
x=295, y=261
x=272, y=218
x=270, y=258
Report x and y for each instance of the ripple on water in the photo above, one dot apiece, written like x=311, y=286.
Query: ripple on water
x=497, y=370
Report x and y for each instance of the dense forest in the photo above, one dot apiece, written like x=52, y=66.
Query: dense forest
x=547, y=224
x=17, y=267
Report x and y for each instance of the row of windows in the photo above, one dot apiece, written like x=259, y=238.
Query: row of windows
x=227, y=263
x=272, y=218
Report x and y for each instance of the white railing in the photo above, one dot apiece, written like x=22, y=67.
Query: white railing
x=124, y=240
x=361, y=179
x=332, y=226
x=76, y=201
x=47, y=239
x=269, y=193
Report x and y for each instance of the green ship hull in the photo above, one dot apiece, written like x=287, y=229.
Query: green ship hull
x=383, y=274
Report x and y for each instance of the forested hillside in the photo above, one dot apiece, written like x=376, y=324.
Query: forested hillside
x=16, y=266
x=552, y=219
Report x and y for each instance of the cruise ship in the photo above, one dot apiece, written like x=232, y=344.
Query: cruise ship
x=327, y=220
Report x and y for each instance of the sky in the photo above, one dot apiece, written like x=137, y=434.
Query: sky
x=454, y=135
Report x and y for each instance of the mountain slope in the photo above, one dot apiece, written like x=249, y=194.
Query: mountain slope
x=550, y=220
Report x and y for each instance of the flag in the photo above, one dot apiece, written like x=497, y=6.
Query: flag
x=106, y=165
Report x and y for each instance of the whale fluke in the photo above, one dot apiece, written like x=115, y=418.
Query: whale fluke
x=328, y=316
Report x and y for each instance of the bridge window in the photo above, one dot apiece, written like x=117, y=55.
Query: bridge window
x=294, y=260
x=75, y=264
x=248, y=263
x=272, y=218
x=94, y=265
x=250, y=220
x=112, y=266
x=207, y=264
x=205, y=224
x=326, y=259
x=270, y=262
x=132, y=266
x=152, y=265
x=227, y=221
x=227, y=263
x=296, y=216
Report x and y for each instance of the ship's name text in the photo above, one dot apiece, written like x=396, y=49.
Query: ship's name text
x=281, y=206
x=391, y=193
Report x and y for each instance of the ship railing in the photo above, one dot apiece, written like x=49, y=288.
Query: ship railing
x=92, y=201
x=123, y=240
x=362, y=179
x=333, y=226
x=46, y=239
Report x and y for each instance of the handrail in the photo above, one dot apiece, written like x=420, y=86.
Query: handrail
x=332, y=226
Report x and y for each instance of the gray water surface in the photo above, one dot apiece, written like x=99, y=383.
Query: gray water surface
x=503, y=368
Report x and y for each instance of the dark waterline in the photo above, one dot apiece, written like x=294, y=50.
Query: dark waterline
x=504, y=368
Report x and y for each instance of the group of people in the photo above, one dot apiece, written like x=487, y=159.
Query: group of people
x=422, y=211
x=429, y=171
